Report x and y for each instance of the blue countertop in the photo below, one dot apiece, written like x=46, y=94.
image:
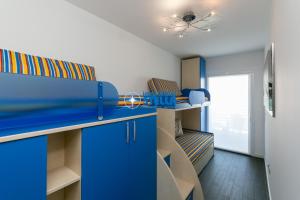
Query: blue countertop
x=119, y=112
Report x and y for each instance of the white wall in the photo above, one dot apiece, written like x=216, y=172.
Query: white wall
x=283, y=131
x=57, y=29
x=242, y=63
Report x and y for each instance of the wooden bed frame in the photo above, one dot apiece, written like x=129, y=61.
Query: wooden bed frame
x=166, y=119
x=193, y=76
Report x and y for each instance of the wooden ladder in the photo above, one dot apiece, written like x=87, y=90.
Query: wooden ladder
x=176, y=176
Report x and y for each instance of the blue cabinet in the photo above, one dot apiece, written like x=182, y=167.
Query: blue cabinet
x=23, y=169
x=142, y=159
x=105, y=162
x=119, y=161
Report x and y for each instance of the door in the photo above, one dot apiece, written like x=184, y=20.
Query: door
x=229, y=112
x=143, y=159
x=105, y=170
x=23, y=169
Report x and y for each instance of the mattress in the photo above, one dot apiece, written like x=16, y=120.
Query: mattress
x=195, y=144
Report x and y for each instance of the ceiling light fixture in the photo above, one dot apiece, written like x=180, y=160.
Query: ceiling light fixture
x=188, y=21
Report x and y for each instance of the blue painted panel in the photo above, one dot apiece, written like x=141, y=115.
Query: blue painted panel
x=143, y=159
x=108, y=98
x=28, y=101
x=119, y=112
x=116, y=113
x=168, y=160
x=190, y=197
x=105, y=167
x=203, y=79
x=23, y=169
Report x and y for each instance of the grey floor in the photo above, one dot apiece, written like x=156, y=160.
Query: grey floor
x=230, y=176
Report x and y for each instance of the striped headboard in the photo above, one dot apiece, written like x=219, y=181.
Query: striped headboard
x=160, y=85
x=20, y=63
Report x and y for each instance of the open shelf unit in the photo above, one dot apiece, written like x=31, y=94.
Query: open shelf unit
x=64, y=166
x=190, y=119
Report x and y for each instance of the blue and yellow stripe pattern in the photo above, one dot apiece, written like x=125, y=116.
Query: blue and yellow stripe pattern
x=195, y=143
x=20, y=63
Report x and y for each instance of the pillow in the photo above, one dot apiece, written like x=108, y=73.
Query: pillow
x=178, y=128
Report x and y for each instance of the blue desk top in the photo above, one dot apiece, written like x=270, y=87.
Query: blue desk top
x=119, y=112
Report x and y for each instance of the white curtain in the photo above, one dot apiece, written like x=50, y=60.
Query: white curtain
x=229, y=111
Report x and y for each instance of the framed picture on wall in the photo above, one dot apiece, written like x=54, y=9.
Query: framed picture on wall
x=269, y=81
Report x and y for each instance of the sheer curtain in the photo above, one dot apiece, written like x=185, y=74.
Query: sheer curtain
x=229, y=111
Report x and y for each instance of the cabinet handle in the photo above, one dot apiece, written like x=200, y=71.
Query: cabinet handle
x=134, y=131
x=128, y=133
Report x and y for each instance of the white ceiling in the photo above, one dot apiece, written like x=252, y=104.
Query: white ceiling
x=243, y=24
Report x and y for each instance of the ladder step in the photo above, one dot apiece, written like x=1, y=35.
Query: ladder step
x=166, y=156
x=164, y=153
x=185, y=188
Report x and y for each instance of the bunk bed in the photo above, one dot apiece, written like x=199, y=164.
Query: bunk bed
x=197, y=144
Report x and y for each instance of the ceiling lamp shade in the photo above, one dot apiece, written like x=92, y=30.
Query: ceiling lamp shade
x=182, y=24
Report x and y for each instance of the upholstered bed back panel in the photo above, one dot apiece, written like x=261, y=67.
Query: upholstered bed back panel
x=161, y=85
x=20, y=63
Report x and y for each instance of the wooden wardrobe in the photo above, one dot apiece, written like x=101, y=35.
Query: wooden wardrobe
x=193, y=76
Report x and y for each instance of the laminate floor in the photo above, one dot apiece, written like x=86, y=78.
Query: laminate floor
x=231, y=176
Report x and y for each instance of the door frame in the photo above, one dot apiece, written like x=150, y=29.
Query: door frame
x=251, y=136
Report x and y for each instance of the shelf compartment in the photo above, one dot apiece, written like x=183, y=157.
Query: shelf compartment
x=60, y=178
x=71, y=192
x=64, y=166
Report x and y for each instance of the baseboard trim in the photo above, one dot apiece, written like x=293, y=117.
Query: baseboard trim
x=258, y=156
x=242, y=153
x=268, y=182
x=232, y=151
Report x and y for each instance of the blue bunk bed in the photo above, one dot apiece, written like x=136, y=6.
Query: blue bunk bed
x=43, y=92
x=63, y=135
